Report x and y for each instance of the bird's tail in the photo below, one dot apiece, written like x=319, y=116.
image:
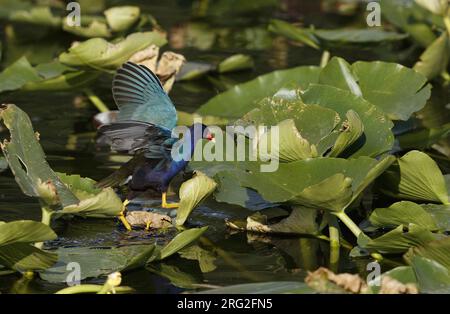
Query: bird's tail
x=121, y=175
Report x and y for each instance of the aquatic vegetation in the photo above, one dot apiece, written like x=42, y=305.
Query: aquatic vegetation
x=345, y=160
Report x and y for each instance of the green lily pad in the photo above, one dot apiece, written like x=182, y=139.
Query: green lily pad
x=70, y=194
x=100, y=261
x=95, y=29
x=122, y=18
x=377, y=136
x=397, y=240
x=397, y=90
x=16, y=245
x=432, y=277
x=323, y=183
x=26, y=158
x=440, y=214
x=434, y=60
x=17, y=75
x=320, y=38
x=234, y=63
x=192, y=193
x=302, y=35
x=264, y=288
x=204, y=257
x=180, y=241
x=438, y=7
x=240, y=99
x=47, y=76
x=403, y=213
x=416, y=177
x=438, y=250
x=37, y=15
x=99, y=54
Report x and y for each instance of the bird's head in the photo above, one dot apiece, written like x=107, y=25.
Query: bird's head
x=205, y=132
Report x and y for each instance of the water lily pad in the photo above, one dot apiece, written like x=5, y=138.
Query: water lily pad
x=434, y=60
x=234, y=63
x=26, y=157
x=204, y=257
x=99, y=54
x=403, y=213
x=399, y=240
x=240, y=99
x=397, y=90
x=323, y=183
x=70, y=194
x=192, y=192
x=432, y=277
x=416, y=177
x=377, y=137
x=264, y=288
x=96, y=28
x=122, y=18
x=438, y=251
x=16, y=249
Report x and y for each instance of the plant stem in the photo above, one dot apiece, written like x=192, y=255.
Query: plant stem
x=325, y=58
x=46, y=219
x=333, y=230
x=96, y=101
x=349, y=223
x=90, y=289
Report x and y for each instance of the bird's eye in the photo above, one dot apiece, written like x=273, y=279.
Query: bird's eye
x=209, y=137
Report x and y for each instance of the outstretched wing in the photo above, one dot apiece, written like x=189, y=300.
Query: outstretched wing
x=140, y=96
x=133, y=136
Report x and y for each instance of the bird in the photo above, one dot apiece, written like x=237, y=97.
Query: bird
x=143, y=128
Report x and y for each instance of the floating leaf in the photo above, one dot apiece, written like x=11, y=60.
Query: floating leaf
x=205, y=258
x=438, y=251
x=434, y=60
x=431, y=276
x=415, y=177
x=94, y=29
x=234, y=63
x=397, y=90
x=398, y=240
x=302, y=35
x=240, y=99
x=17, y=75
x=97, y=53
x=180, y=241
x=301, y=220
x=263, y=288
x=338, y=73
x=438, y=7
x=97, y=261
x=122, y=18
x=402, y=213
x=16, y=249
x=377, y=136
x=192, y=192
x=26, y=157
x=323, y=183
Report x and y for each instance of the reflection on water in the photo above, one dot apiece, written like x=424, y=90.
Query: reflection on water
x=202, y=31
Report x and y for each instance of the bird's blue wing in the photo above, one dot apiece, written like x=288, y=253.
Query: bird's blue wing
x=140, y=96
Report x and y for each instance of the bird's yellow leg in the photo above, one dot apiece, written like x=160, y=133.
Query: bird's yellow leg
x=122, y=215
x=147, y=225
x=164, y=203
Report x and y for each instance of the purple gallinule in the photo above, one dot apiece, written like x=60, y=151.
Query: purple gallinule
x=143, y=128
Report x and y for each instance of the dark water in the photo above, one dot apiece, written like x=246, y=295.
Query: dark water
x=67, y=135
